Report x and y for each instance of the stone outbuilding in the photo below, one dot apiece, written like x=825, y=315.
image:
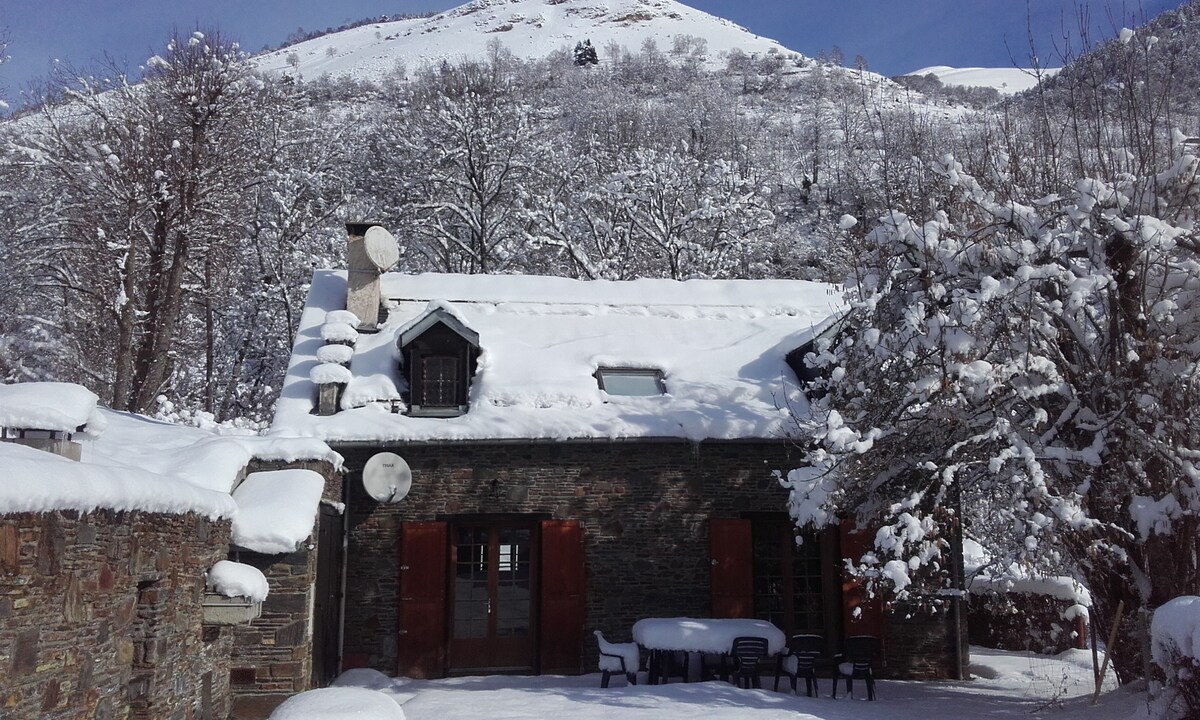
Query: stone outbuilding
x=122, y=593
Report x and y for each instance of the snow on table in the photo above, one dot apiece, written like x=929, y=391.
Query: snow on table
x=704, y=635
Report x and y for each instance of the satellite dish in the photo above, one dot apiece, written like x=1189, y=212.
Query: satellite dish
x=381, y=247
x=386, y=477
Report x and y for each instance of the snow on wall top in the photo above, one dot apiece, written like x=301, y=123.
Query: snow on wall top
x=530, y=29
x=276, y=510
x=55, y=406
x=720, y=344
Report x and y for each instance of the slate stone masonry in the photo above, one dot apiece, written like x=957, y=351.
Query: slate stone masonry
x=101, y=616
x=644, y=507
x=272, y=656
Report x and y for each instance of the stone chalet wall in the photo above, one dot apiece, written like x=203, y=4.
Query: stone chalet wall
x=272, y=657
x=644, y=507
x=101, y=617
x=919, y=642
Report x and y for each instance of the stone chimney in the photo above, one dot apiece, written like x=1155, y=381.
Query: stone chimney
x=51, y=441
x=362, y=292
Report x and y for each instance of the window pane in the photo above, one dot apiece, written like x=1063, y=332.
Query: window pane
x=471, y=584
x=441, y=381
x=616, y=382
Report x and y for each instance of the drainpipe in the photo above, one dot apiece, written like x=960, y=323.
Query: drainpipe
x=960, y=586
x=345, y=563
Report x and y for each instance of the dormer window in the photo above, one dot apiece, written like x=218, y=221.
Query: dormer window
x=439, y=361
x=631, y=381
x=439, y=382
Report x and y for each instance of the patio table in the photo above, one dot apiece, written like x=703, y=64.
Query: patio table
x=708, y=636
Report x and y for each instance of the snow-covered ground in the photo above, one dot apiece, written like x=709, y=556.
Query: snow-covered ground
x=1008, y=80
x=1006, y=684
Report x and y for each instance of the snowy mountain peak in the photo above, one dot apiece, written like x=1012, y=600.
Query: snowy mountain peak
x=528, y=28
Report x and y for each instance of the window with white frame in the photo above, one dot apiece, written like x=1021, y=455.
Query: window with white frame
x=631, y=381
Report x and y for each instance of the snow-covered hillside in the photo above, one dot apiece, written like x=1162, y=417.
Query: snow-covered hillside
x=529, y=28
x=1007, y=80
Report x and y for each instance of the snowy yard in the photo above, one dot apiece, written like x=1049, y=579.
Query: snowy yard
x=1007, y=685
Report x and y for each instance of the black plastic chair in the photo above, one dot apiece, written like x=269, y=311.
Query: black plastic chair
x=746, y=653
x=617, y=658
x=860, y=652
x=800, y=661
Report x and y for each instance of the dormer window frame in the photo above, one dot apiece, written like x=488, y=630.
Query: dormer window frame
x=631, y=372
x=418, y=384
x=450, y=341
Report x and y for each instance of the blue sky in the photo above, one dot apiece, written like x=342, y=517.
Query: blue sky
x=895, y=36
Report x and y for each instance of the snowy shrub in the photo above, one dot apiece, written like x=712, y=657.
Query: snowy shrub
x=1175, y=647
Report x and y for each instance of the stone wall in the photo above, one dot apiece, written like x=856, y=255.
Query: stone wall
x=101, y=616
x=272, y=656
x=644, y=507
x=919, y=642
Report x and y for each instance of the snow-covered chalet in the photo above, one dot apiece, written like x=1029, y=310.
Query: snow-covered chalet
x=532, y=458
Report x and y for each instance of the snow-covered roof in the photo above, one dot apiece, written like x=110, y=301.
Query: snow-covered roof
x=62, y=407
x=720, y=344
x=131, y=462
x=276, y=510
x=38, y=481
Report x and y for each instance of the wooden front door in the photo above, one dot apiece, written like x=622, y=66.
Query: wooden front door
x=327, y=597
x=796, y=585
x=493, y=587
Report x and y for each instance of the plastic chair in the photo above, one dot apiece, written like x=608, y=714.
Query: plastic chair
x=860, y=651
x=617, y=658
x=800, y=661
x=746, y=653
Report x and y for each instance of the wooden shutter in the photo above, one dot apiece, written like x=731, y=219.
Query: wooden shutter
x=861, y=615
x=732, y=579
x=563, y=591
x=422, y=583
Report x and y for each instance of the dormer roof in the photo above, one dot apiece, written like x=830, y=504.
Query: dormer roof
x=434, y=314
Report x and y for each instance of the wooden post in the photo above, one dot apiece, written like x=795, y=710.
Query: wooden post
x=1112, y=638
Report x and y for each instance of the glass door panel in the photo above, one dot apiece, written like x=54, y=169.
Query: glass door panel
x=493, y=597
x=471, y=595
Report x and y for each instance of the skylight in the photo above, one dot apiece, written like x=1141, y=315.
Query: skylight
x=631, y=381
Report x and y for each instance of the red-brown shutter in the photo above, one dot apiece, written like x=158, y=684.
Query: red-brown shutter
x=564, y=597
x=732, y=580
x=422, y=642
x=861, y=615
